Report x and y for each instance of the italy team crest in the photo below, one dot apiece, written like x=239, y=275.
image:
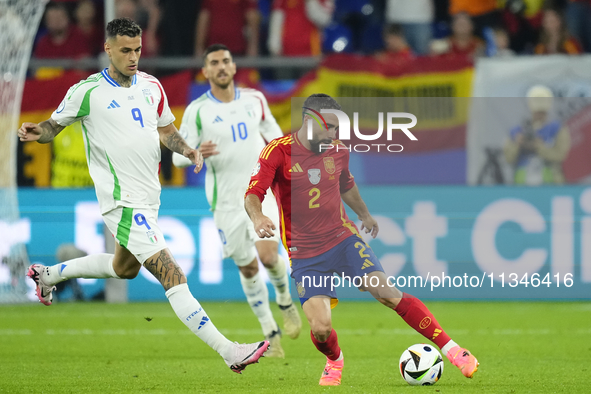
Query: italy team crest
x=314, y=175
x=329, y=165
x=152, y=236
x=148, y=96
x=250, y=110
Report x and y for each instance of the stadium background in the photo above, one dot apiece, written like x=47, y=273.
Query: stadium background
x=455, y=157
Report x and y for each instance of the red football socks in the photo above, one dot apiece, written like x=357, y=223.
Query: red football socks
x=417, y=315
x=330, y=348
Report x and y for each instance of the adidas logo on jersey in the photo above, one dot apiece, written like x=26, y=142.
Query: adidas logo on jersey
x=366, y=264
x=217, y=119
x=296, y=168
x=113, y=105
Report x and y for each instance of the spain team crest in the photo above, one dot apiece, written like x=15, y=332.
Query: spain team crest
x=329, y=165
x=148, y=96
x=314, y=175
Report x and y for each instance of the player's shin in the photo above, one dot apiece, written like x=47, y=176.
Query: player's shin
x=96, y=266
x=418, y=316
x=330, y=348
x=280, y=281
x=257, y=297
x=188, y=309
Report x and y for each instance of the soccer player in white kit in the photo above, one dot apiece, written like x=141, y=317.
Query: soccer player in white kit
x=230, y=126
x=125, y=116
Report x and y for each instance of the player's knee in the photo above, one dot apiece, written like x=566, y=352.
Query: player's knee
x=321, y=329
x=248, y=271
x=321, y=332
x=129, y=272
x=268, y=259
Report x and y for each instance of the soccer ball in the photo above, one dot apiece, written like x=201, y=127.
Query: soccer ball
x=421, y=365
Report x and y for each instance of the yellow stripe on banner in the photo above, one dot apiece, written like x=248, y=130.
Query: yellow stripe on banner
x=38, y=166
x=409, y=89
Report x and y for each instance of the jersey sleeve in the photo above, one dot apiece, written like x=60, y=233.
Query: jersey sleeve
x=190, y=130
x=264, y=171
x=269, y=128
x=165, y=116
x=346, y=180
x=71, y=109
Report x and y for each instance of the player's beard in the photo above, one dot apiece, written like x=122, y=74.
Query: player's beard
x=223, y=86
x=315, y=145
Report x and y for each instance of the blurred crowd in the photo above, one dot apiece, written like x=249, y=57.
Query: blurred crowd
x=392, y=30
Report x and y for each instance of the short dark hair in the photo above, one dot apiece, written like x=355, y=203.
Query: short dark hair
x=215, y=48
x=318, y=101
x=123, y=27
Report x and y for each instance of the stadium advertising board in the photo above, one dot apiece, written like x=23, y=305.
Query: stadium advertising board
x=434, y=242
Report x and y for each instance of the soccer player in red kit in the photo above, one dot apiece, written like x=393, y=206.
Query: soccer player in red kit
x=311, y=182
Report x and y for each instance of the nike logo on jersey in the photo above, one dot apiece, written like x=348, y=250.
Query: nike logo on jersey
x=217, y=119
x=113, y=105
x=296, y=168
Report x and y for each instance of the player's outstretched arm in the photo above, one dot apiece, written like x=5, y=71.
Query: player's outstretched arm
x=353, y=199
x=171, y=138
x=43, y=132
x=262, y=225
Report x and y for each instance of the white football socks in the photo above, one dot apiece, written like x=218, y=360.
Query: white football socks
x=448, y=346
x=280, y=281
x=95, y=266
x=188, y=309
x=257, y=297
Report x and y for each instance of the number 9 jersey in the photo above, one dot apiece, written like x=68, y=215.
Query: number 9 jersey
x=308, y=190
x=120, y=127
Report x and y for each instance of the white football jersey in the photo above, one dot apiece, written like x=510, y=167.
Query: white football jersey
x=120, y=135
x=239, y=128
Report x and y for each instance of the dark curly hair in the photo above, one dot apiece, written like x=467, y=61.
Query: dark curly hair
x=123, y=27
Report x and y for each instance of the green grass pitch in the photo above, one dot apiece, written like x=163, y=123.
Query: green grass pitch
x=523, y=347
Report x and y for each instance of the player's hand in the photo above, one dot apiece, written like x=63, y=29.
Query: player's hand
x=264, y=227
x=208, y=149
x=195, y=156
x=29, y=132
x=369, y=224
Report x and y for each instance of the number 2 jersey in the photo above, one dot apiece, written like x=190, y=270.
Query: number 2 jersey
x=308, y=190
x=120, y=136
x=238, y=129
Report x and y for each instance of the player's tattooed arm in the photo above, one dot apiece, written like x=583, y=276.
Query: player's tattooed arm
x=171, y=138
x=43, y=132
x=165, y=269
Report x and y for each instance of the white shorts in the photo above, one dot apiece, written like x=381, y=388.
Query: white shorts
x=237, y=231
x=136, y=229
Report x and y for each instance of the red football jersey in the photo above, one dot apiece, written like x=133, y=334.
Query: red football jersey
x=300, y=36
x=227, y=21
x=308, y=189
